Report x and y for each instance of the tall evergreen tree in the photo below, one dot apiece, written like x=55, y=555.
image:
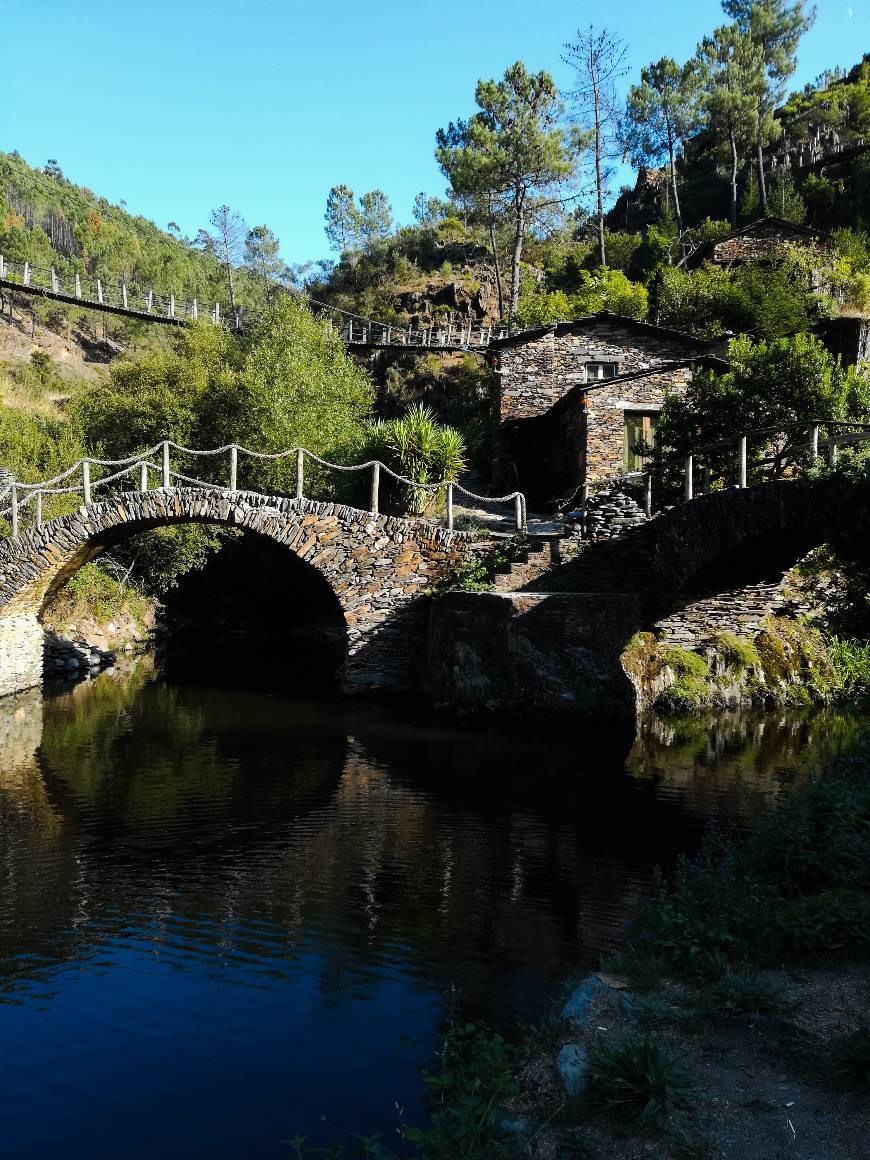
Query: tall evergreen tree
x=661, y=112
x=775, y=27
x=343, y=226
x=513, y=154
x=732, y=69
x=263, y=257
x=376, y=216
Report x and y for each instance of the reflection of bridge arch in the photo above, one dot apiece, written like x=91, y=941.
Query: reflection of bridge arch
x=377, y=566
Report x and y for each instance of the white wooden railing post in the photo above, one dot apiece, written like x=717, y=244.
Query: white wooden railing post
x=171, y=308
x=234, y=466
x=78, y=286
x=194, y=310
x=647, y=493
x=86, y=480
x=99, y=292
x=124, y=295
x=690, y=488
x=2, y=267
x=518, y=511
x=300, y=472
x=217, y=313
x=832, y=452
x=143, y=476
x=149, y=305
x=38, y=515
x=376, y=486
x=449, y=507
x=55, y=285
x=741, y=461
x=13, y=495
x=167, y=478
x=814, y=442
x=26, y=277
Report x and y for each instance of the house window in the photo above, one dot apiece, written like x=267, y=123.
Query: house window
x=596, y=372
x=639, y=435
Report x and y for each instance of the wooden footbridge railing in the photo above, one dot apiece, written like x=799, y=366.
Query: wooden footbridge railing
x=144, y=305
x=25, y=503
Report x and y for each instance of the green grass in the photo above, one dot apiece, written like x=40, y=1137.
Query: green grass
x=639, y=1076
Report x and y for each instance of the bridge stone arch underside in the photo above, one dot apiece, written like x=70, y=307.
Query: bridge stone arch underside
x=711, y=530
x=378, y=566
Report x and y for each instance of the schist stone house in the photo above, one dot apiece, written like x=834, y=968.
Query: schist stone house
x=575, y=399
x=767, y=240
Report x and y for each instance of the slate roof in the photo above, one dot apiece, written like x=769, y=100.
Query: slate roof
x=590, y=321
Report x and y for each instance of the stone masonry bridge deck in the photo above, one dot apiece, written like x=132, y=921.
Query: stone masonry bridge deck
x=377, y=566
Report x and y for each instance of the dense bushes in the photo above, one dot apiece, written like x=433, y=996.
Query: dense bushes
x=799, y=883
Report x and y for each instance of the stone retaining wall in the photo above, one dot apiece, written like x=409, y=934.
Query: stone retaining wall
x=531, y=654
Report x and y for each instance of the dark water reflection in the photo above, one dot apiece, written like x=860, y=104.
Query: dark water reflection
x=224, y=915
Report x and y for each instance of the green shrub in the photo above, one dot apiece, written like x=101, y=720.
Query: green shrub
x=852, y=662
x=642, y=1077
x=799, y=883
x=827, y=923
x=419, y=448
x=737, y=653
x=743, y=991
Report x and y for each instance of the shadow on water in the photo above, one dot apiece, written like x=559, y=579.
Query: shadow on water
x=195, y=875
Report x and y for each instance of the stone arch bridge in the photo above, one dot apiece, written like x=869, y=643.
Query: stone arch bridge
x=377, y=567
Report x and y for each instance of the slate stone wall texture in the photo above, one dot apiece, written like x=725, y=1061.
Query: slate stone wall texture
x=764, y=246
x=534, y=373
x=377, y=566
x=540, y=655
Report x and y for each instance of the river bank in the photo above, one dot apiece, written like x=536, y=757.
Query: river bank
x=734, y=1021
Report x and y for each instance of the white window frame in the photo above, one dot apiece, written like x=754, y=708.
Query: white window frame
x=599, y=366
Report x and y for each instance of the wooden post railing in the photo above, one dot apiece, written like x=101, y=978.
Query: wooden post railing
x=741, y=461
x=234, y=467
x=518, y=511
x=143, y=476
x=690, y=490
x=449, y=507
x=376, y=484
x=167, y=478
x=300, y=472
x=13, y=495
x=86, y=480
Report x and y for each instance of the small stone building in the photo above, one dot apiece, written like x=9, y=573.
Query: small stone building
x=576, y=399
x=767, y=240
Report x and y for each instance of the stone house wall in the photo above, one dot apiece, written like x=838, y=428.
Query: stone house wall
x=761, y=247
x=535, y=374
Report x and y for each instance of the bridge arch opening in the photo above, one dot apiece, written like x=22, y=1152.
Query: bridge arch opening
x=254, y=614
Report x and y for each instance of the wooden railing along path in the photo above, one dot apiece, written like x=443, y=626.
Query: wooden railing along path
x=26, y=501
x=144, y=305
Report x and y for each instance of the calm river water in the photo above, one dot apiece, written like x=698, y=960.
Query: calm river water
x=227, y=917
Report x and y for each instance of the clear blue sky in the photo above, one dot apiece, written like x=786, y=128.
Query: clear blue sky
x=179, y=105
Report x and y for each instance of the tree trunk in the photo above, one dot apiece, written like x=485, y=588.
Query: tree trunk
x=678, y=213
x=733, y=141
x=516, y=260
x=762, y=185
x=599, y=191
x=497, y=265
